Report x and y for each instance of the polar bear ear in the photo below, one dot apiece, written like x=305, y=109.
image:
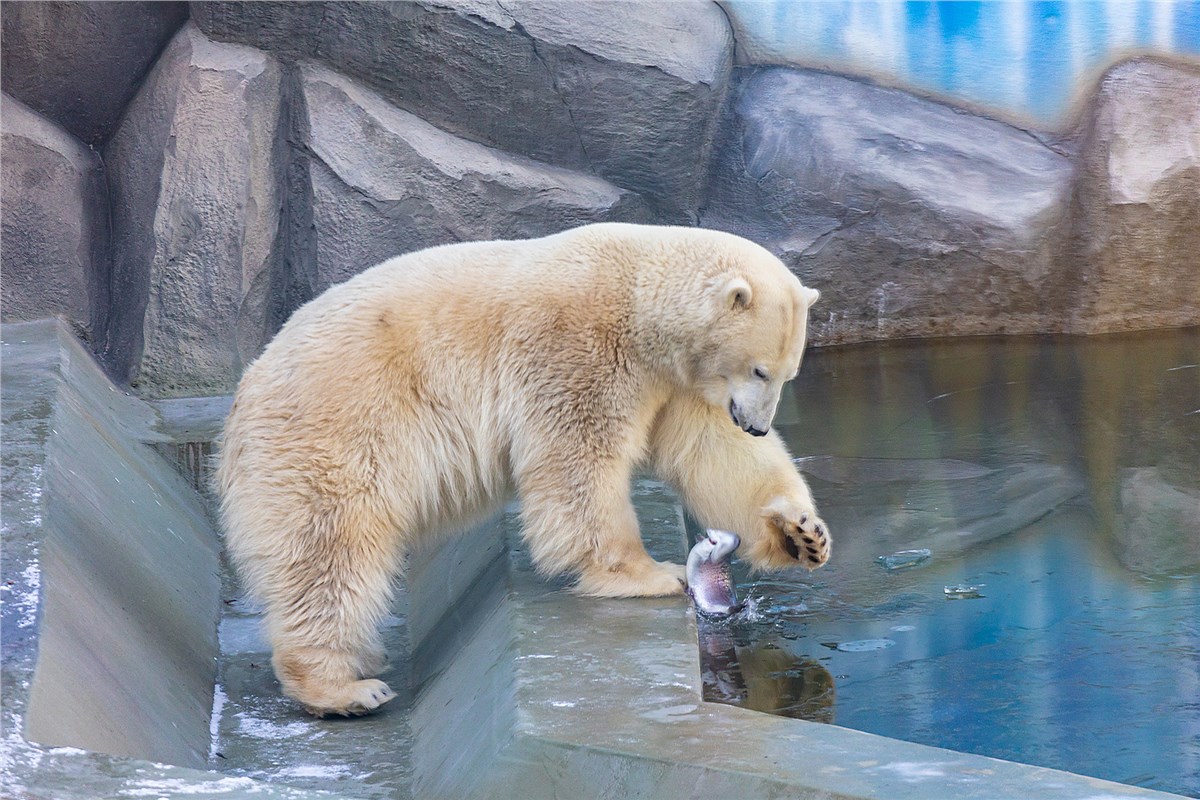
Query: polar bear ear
x=737, y=293
x=811, y=296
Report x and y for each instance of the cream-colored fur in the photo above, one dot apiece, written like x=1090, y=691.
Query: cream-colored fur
x=416, y=397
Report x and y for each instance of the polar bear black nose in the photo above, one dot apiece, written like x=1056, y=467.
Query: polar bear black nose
x=750, y=429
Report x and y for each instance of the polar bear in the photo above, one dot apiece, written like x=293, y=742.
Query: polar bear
x=416, y=397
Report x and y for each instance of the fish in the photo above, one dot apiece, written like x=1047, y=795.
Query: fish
x=709, y=583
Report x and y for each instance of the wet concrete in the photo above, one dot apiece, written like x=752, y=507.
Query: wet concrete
x=109, y=588
x=122, y=672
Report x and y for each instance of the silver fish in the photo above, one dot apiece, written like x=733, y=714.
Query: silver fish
x=709, y=583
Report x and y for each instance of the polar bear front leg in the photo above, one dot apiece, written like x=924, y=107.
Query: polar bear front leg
x=579, y=519
x=747, y=484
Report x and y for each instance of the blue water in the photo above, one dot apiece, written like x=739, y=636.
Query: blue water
x=1026, y=58
x=1060, y=477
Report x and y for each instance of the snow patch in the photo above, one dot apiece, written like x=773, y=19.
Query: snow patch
x=916, y=770
x=326, y=771
x=214, y=722
x=27, y=600
x=265, y=729
x=177, y=786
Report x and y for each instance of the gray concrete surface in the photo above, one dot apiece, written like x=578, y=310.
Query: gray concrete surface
x=112, y=561
x=109, y=590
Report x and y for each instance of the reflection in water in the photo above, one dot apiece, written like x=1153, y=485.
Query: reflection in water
x=1059, y=475
x=762, y=676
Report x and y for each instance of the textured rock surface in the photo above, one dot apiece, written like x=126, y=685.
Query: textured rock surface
x=384, y=182
x=911, y=217
x=1137, y=204
x=81, y=63
x=625, y=90
x=243, y=180
x=55, y=223
x=195, y=176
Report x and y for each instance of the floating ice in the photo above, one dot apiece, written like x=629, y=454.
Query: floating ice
x=905, y=558
x=864, y=645
x=963, y=591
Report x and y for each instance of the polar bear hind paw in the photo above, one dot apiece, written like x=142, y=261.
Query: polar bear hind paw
x=352, y=700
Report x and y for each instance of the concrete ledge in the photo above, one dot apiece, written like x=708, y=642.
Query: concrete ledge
x=124, y=626
x=609, y=699
x=109, y=591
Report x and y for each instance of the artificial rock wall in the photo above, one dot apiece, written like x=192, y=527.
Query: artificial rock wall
x=221, y=163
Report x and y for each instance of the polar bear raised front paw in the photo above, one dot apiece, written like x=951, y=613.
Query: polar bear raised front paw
x=794, y=534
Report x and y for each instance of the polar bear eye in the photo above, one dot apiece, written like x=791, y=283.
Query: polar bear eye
x=761, y=374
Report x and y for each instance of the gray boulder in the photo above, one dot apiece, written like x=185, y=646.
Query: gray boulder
x=1136, y=241
x=913, y=218
x=384, y=182
x=626, y=90
x=195, y=170
x=80, y=63
x=55, y=223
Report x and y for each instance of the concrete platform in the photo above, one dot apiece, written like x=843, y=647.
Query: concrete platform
x=509, y=686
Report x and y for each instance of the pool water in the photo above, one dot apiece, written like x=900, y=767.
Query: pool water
x=1055, y=482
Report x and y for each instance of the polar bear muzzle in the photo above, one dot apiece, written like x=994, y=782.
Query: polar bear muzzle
x=739, y=419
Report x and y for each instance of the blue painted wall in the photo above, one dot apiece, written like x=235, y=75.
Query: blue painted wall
x=1025, y=59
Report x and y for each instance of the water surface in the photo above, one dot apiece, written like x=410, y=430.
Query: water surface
x=1056, y=483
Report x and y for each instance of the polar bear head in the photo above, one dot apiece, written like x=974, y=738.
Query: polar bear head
x=756, y=338
x=721, y=314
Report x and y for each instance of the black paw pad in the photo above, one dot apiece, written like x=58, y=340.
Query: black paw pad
x=792, y=549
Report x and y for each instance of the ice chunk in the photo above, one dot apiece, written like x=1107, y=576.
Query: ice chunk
x=864, y=645
x=905, y=558
x=962, y=591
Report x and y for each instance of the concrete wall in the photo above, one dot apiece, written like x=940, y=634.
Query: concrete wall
x=111, y=566
x=1028, y=61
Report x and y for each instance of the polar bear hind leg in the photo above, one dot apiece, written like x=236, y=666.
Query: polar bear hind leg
x=325, y=600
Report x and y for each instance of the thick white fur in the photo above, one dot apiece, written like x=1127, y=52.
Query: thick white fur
x=417, y=396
